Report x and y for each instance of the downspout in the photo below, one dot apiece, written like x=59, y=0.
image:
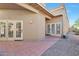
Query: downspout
x=62, y=24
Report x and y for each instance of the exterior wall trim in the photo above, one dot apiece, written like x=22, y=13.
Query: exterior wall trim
x=27, y=7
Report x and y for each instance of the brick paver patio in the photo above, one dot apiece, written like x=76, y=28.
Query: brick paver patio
x=26, y=48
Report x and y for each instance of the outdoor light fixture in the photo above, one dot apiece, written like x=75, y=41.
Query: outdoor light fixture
x=31, y=22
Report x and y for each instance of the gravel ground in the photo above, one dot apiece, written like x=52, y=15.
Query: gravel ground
x=64, y=47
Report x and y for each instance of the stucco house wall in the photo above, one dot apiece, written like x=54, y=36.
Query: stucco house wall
x=31, y=31
x=55, y=19
x=62, y=11
x=36, y=29
x=34, y=18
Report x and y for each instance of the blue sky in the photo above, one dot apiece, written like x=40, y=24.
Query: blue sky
x=72, y=10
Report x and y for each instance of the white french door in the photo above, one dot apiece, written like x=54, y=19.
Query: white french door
x=48, y=29
x=12, y=30
x=2, y=29
x=54, y=28
x=19, y=30
x=58, y=28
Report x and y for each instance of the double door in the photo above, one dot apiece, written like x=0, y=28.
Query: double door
x=11, y=30
x=54, y=28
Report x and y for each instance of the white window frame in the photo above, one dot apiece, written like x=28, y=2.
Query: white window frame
x=14, y=37
x=55, y=28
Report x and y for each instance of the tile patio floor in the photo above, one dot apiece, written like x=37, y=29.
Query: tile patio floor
x=26, y=48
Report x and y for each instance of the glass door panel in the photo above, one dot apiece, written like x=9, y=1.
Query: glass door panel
x=53, y=28
x=19, y=29
x=58, y=29
x=11, y=29
x=2, y=29
x=48, y=28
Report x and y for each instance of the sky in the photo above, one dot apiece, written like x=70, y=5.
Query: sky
x=72, y=10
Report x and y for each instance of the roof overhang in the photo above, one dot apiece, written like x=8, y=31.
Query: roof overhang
x=34, y=7
x=58, y=8
x=26, y=6
x=45, y=11
x=42, y=9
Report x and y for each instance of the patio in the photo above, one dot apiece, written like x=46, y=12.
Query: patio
x=26, y=48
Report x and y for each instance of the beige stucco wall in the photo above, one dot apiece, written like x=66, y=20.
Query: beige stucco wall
x=31, y=31
x=65, y=23
x=36, y=30
x=62, y=11
x=55, y=19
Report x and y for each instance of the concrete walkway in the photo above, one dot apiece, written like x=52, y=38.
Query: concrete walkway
x=26, y=48
x=64, y=47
